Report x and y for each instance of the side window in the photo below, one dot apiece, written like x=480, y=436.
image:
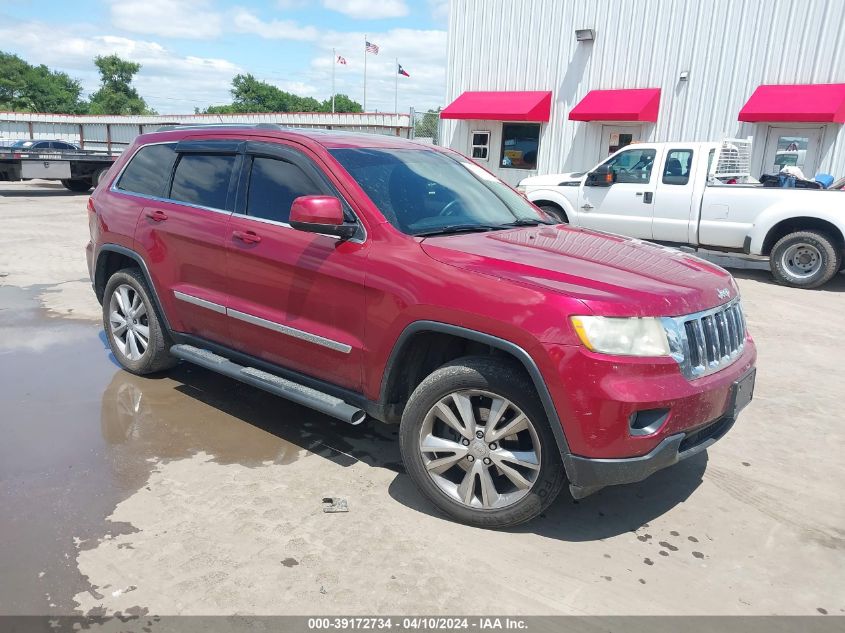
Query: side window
x=203, y=179
x=480, y=145
x=520, y=142
x=677, y=168
x=273, y=186
x=149, y=170
x=632, y=166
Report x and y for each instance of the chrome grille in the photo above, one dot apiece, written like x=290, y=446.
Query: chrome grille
x=708, y=341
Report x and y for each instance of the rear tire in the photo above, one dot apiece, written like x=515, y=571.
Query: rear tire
x=555, y=211
x=135, y=334
x=455, y=467
x=79, y=185
x=805, y=259
x=98, y=176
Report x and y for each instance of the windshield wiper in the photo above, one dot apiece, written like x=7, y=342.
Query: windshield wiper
x=527, y=222
x=459, y=228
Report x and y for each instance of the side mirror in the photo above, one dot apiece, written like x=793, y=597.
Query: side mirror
x=600, y=177
x=320, y=214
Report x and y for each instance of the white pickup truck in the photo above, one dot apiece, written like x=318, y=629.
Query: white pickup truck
x=676, y=193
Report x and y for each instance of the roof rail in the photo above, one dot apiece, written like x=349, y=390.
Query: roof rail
x=205, y=126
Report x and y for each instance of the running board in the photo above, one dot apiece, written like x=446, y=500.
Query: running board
x=300, y=394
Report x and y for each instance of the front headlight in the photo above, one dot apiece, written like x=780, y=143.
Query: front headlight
x=623, y=336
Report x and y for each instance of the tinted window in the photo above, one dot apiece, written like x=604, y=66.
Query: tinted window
x=520, y=142
x=677, y=168
x=632, y=166
x=203, y=179
x=149, y=170
x=273, y=186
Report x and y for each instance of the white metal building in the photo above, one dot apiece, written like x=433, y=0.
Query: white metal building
x=545, y=86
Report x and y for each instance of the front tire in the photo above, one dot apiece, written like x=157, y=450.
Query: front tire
x=805, y=259
x=555, y=211
x=135, y=334
x=476, y=441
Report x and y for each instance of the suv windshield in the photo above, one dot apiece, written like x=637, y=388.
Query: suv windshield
x=424, y=192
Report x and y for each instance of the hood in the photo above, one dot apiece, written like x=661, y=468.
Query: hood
x=613, y=275
x=553, y=180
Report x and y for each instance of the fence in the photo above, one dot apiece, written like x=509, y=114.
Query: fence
x=426, y=127
x=115, y=133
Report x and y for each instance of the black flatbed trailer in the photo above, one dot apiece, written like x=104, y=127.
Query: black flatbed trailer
x=78, y=170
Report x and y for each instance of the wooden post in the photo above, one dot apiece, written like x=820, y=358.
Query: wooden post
x=81, y=137
x=29, y=125
x=108, y=137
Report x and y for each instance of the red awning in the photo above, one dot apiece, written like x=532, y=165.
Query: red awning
x=500, y=106
x=800, y=103
x=635, y=104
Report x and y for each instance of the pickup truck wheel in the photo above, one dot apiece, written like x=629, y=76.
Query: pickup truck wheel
x=805, y=259
x=79, y=185
x=136, y=337
x=476, y=441
x=555, y=211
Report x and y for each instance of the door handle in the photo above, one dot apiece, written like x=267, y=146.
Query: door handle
x=647, y=197
x=587, y=206
x=247, y=237
x=157, y=216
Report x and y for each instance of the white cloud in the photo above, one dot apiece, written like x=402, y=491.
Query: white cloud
x=247, y=22
x=193, y=19
x=170, y=83
x=368, y=9
x=439, y=11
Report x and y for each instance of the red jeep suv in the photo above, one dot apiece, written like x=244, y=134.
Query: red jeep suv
x=366, y=275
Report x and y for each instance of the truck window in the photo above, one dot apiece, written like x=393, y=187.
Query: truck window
x=149, y=170
x=203, y=179
x=632, y=166
x=677, y=168
x=273, y=186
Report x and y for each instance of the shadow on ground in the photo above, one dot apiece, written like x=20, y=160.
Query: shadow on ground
x=150, y=415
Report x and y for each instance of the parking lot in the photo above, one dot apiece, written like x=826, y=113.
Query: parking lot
x=192, y=494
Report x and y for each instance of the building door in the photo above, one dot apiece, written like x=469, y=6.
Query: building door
x=615, y=137
x=798, y=147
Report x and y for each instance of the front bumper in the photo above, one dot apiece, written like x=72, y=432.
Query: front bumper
x=588, y=475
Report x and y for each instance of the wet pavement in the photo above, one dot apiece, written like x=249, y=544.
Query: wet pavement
x=80, y=435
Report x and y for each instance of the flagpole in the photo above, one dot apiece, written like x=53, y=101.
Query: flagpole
x=396, y=92
x=334, y=63
x=365, y=72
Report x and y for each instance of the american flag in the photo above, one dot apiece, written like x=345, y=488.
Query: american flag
x=341, y=60
x=372, y=48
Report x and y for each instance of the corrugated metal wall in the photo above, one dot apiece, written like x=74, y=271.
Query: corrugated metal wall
x=100, y=132
x=729, y=48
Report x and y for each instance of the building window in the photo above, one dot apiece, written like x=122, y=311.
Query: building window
x=678, y=163
x=480, y=145
x=520, y=142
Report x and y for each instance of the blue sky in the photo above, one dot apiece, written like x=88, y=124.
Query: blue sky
x=190, y=49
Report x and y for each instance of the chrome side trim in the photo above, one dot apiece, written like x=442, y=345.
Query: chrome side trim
x=214, y=307
x=284, y=329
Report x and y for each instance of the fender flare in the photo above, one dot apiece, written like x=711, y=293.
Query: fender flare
x=770, y=218
x=493, y=341
x=128, y=252
x=554, y=196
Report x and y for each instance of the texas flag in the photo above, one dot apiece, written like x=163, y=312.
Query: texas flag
x=402, y=71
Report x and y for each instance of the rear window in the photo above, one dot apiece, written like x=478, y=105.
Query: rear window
x=203, y=179
x=149, y=170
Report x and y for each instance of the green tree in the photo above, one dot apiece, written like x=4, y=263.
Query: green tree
x=252, y=95
x=116, y=94
x=342, y=103
x=28, y=88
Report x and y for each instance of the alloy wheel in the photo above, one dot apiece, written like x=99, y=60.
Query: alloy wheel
x=128, y=320
x=480, y=449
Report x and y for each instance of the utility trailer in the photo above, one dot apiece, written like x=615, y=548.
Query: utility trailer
x=78, y=170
